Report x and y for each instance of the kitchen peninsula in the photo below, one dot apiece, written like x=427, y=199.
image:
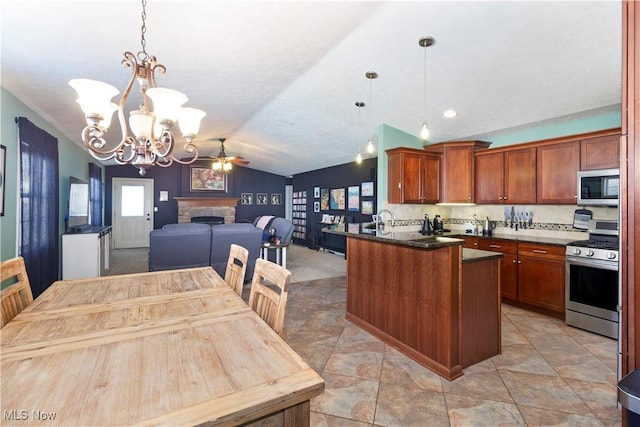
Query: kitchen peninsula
x=424, y=295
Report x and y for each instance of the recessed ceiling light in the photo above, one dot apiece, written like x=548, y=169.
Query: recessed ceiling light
x=449, y=114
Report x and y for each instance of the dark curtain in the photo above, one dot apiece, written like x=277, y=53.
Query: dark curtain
x=39, y=219
x=95, y=193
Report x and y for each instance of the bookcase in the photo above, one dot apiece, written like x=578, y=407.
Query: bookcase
x=299, y=217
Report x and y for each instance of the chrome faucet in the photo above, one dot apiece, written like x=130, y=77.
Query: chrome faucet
x=379, y=217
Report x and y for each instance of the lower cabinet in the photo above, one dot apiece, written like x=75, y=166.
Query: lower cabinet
x=541, y=276
x=86, y=254
x=508, y=264
x=530, y=273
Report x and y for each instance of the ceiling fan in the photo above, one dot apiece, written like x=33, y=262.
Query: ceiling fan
x=222, y=162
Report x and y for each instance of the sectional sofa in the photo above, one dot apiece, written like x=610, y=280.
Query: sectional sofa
x=188, y=245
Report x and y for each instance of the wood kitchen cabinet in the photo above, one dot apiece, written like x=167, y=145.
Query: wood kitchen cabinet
x=457, y=175
x=508, y=264
x=506, y=176
x=600, y=153
x=541, y=276
x=413, y=176
x=470, y=242
x=557, y=169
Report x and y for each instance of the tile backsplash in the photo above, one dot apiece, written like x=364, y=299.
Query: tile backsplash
x=548, y=220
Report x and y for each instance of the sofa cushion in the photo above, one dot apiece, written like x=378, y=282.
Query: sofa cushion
x=175, y=246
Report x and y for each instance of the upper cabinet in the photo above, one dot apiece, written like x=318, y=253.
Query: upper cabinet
x=457, y=175
x=558, y=166
x=506, y=176
x=413, y=176
x=600, y=153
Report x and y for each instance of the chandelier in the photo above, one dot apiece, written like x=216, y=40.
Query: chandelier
x=153, y=139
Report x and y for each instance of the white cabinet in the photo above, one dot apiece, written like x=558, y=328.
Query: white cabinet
x=86, y=254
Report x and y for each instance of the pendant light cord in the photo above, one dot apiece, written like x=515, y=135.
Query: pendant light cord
x=424, y=105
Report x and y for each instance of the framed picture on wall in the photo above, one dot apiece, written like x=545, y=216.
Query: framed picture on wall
x=354, y=198
x=316, y=206
x=262, y=198
x=367, y=207
x=246, y=198
x=206, y=179
x=324, y=199
x=316, y=192
x=276, y=198
x=337, y=199
x=367, y=189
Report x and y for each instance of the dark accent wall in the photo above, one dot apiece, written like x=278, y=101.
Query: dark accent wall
x=175, y=180
x=341, y=176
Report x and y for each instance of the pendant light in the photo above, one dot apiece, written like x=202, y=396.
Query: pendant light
x=425, y=42
x=370, y=75
x=359, y=104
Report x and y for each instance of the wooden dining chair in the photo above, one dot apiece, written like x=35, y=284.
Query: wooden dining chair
x=269, y=289
x=236, y=267
x=17, y=296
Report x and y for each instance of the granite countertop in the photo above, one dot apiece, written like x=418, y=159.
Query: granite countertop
x=518, y=238
x=405, y=238
x=88, y=229
x=412, y=239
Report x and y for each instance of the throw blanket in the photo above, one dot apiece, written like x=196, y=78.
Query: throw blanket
x=264, y=221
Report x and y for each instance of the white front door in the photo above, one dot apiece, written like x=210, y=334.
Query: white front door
x=132, y=215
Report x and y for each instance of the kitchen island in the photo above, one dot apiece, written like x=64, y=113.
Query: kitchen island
x=424, y=295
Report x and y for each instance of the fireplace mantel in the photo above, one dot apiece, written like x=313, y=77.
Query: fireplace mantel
x=206, y=201
x=207, y=206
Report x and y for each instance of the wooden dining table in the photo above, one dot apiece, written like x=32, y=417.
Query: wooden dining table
x=177, y=347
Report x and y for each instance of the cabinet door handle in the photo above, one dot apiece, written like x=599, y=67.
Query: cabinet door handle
x=519, y=262
x=494, y=246
x=539, y=251
x=514, y=261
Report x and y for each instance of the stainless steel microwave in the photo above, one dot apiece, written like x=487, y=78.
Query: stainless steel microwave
x=599, y=187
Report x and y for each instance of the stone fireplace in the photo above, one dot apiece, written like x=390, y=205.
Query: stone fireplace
x=206, y=206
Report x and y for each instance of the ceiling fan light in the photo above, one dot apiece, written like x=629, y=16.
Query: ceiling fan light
x=216, y=165
x=227, y=166
x=424, y=132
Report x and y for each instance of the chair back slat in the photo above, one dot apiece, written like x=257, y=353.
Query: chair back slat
x=236, y=267
x=17, y=296
x=269, y=290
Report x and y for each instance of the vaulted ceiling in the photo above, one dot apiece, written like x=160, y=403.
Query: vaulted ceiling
x=279, y=79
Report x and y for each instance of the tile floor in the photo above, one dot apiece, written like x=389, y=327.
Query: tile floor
x=548, y=373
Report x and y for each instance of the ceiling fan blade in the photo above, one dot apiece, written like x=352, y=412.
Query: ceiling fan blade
x=240, y=162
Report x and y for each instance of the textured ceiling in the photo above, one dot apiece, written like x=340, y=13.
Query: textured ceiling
x=280, y=80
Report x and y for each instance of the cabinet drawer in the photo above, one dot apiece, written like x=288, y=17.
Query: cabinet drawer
x=541, y=251
x=497, y=245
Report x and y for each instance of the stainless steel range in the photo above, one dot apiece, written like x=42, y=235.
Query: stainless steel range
x=592, y=294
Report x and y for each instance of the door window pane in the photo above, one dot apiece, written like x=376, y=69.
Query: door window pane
x=132, y=203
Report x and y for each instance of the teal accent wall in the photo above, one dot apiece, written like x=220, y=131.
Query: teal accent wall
x=73, y=161
x=557, y=130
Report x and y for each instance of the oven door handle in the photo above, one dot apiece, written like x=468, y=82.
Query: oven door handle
x=593, y=263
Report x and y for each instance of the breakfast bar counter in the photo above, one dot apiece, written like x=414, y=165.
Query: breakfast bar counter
x=424, y=295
